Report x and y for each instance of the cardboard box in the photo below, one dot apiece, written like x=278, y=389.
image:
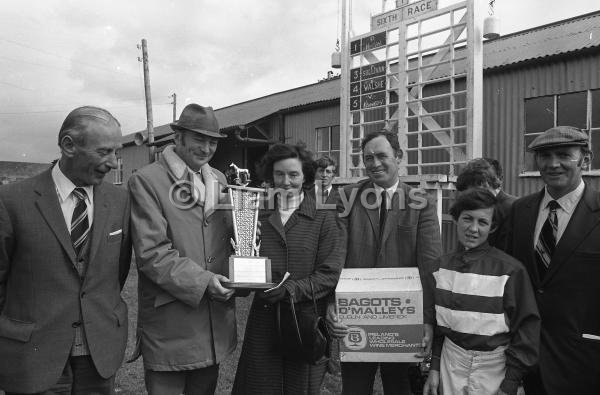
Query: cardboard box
x=384, y=310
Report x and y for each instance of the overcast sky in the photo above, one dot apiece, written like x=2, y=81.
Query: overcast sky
x=56, y=55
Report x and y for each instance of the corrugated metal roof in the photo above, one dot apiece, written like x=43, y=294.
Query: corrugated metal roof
x=557, y=38
x=252, y=110
x=543, y=41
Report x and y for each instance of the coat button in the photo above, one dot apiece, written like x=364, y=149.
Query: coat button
x=540, y=291
x=82, y=295
x=76, y=324
x=210, y=259
x=206, y=221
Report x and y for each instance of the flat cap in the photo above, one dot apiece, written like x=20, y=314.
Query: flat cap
x=560, y=136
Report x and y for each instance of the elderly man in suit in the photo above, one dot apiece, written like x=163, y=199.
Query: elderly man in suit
x=556, y=234
x=388, y=224
x=181, y=238
x=64, y=257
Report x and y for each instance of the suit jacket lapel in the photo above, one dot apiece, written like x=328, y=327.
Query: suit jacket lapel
x=392, y=218
x=372, y=213
x=582, y=222
x=529, y=219
x=307, y=208
x=101, y=213
x=275, y=221
x=49, y=206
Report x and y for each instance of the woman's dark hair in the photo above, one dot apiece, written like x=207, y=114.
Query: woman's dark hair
x=479, y=172
x=472, y=199
x=279, y=152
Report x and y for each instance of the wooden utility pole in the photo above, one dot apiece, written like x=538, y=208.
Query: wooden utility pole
x=149, y=120
x=174, y=103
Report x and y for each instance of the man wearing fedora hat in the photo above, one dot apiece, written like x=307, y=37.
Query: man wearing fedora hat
x=556, y=234
x=182, y=245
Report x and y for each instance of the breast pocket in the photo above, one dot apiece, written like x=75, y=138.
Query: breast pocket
x=408, y=233
x=115, y=236
x=403, y=245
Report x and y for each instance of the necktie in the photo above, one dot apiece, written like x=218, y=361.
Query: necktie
x=547, y=241
x=79, y=222
x=382, y=212
x=199, y=187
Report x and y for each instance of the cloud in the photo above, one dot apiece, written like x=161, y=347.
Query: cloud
x=58, y=54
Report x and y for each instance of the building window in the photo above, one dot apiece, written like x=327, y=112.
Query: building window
x=119, y=172
x=328, y=143
x=579, y=109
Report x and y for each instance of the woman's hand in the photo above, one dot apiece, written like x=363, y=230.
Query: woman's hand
x=336, y=327
x=274, y=296
x=432, y=385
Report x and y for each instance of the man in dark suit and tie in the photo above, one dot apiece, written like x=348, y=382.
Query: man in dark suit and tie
x=487, y=173
x=64, y=257
x=556, y=234
x=324, y=190
x=388, y=224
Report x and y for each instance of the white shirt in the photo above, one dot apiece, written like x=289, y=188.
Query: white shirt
x=320, y=191
x=293, y=202
x=66, y=199
x=389, y=192
x=567, y=205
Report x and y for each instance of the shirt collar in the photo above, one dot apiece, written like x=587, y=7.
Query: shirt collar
x=567, y=202
x=328, y=190
x=65, y=187
x=175, y=163
x=474, y=253
x=390, y=191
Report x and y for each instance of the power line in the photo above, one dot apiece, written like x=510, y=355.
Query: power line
x=65, y=104
x=33, y=63
x=62, y=111
x=16, y=86
x=65, y=58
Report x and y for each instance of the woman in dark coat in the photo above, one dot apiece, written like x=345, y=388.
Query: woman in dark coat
x=309, y=244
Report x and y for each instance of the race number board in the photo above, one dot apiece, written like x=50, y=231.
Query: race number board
x=420, y=78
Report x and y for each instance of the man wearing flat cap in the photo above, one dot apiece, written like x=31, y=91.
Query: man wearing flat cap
x=65, y=253
x=556, y=234
x=182, y=245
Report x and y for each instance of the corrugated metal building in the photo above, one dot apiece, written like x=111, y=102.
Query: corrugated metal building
x=16, y=171
x=533, y=79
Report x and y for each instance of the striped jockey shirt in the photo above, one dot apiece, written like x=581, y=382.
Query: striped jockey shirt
x=484, y=299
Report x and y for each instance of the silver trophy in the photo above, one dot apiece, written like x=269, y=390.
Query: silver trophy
x=246, y=268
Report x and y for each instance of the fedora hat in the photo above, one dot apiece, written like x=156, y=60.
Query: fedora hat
x=198, y=119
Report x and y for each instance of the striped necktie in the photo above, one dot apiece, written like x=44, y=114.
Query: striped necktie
x=79, y=221
x=547, y=241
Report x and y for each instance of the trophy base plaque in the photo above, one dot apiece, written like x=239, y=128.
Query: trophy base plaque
x=249, y=272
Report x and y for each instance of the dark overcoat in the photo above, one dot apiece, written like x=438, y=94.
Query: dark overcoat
x=568, y=296
x=311, y=245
